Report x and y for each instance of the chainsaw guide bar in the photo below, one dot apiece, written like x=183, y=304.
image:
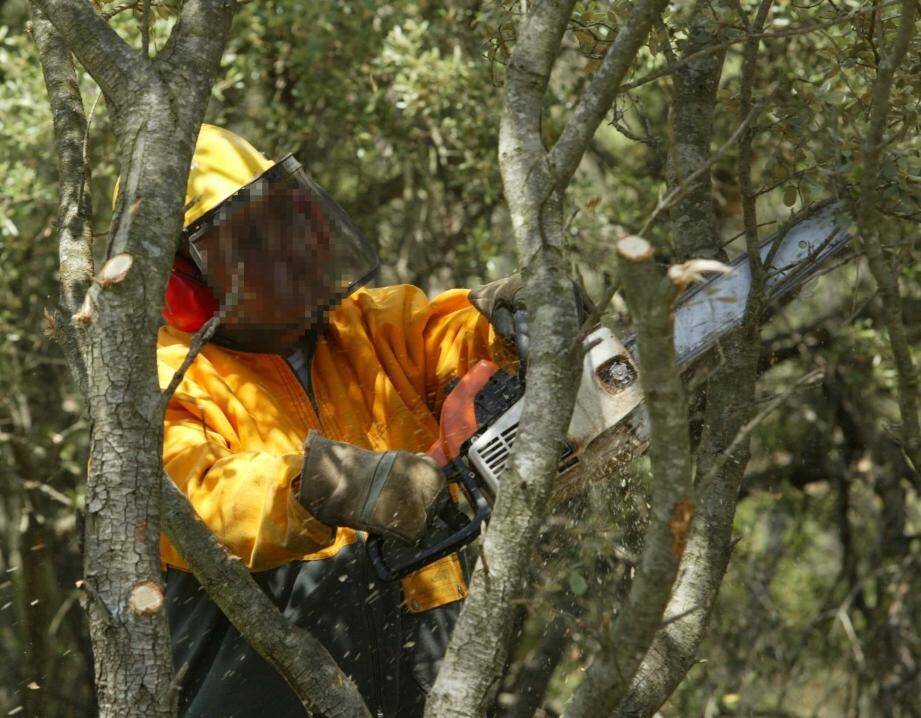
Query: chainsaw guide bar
x=609, y=427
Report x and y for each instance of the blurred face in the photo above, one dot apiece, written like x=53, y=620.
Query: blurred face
x=273, y=265
x=278, y=256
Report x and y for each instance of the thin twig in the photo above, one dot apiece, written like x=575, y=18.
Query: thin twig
x=885, y=274
x=594, y=317
x=596, y=100
x=49, y=491
x=130, y=5
x=666, y=42
x=769, y=35
x=206, y=333
x=92, y=595
x=202, y=337
x=86, y=142
x=145, y=29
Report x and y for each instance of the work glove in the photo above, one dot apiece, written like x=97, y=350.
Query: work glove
x=389, y=493
x=498, y=301
x=501, y=302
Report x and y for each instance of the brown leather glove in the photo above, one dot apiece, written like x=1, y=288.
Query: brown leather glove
x=497, y=301
x=389, y=493
x=502, y=291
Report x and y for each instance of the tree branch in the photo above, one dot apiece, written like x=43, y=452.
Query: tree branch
x=473, y=665
x=301, y=659
x=885, y=274
x=597, y=98
x=192, y=55
x=749, y=214
x=770, y=35
x=649, y=296
x=533, y=181
x=145, y=29
x=730, y=397
x=128, y=625
x=694, y=230
x=201, y=337
x=74, y=229
x=114, y=65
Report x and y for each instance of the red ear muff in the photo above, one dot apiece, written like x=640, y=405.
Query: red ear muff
x=189, y=302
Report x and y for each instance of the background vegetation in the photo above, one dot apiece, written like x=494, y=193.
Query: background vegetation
x=394, y=107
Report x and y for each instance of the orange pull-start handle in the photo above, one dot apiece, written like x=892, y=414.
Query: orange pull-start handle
x=458, y=413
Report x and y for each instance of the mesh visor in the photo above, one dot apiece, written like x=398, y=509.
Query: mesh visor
x=280, y=251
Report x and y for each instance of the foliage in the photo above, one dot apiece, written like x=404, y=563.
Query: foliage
x=394, y=107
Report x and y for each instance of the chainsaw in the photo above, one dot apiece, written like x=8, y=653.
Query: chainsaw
x=480, y=415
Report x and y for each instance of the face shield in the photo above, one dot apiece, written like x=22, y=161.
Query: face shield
x=278, y=254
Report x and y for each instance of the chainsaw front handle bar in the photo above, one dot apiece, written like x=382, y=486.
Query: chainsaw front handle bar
x=455, y=472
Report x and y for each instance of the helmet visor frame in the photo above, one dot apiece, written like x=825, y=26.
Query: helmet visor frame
x=285, y=223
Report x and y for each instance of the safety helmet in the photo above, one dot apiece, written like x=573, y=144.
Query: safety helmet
x=243, y=210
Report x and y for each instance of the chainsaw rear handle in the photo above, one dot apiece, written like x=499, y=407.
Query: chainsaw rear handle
x=455, y=472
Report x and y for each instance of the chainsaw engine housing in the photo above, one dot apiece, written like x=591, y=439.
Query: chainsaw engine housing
x=608, y=391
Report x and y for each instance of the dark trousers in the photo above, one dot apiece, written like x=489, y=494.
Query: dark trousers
x=392, y=655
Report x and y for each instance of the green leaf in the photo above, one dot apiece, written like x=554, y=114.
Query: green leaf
x=577, y=584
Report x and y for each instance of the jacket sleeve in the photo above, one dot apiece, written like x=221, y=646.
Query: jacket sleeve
x=244, y=496
x=456, y=336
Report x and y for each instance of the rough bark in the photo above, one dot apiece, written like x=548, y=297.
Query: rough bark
x=112, y=63
x=723, y=451
x=533, y=182
x=299, y=657
x=885, y=274
x=74, y=230
x=693, y=106
x=117, y=326
x=649, y=295
x=475, y=659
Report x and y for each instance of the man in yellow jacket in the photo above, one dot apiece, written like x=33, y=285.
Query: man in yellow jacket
x=301, y=426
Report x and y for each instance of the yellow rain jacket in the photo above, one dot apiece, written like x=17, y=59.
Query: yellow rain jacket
x=235, y=427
